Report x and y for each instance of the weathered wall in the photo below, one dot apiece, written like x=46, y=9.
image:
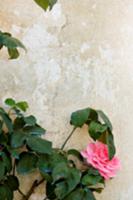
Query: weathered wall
x=79, y=55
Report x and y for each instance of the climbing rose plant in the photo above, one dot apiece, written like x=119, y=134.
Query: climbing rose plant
x=23, y=151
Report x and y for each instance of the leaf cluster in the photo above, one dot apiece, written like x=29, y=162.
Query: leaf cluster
x=99, y=126
x=23, y=151
x=12, y=44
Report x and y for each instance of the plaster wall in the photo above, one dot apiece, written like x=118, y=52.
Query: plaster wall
x=80, y=54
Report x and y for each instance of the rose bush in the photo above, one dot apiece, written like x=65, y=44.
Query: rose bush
x=23, y=151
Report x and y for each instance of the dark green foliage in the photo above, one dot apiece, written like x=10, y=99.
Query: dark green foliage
x=39, y=145
x=6, y=119
x=92, y=177
x=30, y=120
x=80, y=117
x=5, y=193
x=110, y=143
x=46, y=163
x=96, y=128
x=12, y=182
x=18, y=139
x=21, y=105
x=11, y=43
x=75, y=153
x=23, y=150
x=35, y=130
x=27, y=163
x=105, y=119
x=45, y=4
x=81, y=194
x=10, y=102
x=65, y=178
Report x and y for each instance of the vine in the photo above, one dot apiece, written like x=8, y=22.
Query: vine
x=23, y=151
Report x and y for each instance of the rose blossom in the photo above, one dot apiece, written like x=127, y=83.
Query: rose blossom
x=96, y=154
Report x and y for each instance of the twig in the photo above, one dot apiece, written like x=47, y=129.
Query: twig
x=68, y=138
x=14, y=165
x=35, y=184
x=21, y=192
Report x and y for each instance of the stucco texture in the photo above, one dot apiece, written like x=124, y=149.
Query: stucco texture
x=80, y=54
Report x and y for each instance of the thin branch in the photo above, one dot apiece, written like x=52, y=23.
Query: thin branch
x=14, y=166
x=70, y=135
x=21, y=192
x=35, y=184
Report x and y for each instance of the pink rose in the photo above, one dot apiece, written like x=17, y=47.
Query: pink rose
x=96, y=155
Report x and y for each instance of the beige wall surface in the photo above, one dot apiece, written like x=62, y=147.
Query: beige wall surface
x=80, y=54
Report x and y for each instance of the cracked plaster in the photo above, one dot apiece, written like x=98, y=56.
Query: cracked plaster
x=79, y=55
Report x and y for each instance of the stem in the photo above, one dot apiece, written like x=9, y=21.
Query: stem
x=35, y=184
x=14, y=165
x=10, y=110
x=68, y=138
x=21, y=192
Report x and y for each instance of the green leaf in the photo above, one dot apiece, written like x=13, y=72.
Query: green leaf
x=110, y=144
x=96, y=129
x=3, y=139
x=98, y=190
x=13, y=53
x=80, y=117
x=30, y=120
x=12, y=182
x=67, y=179
x=23, y=105
x=18, y=123
x=5, y=193
x=10, y=102
x=91, y=179
x=108, y=139
x=15, y=152
x=2, y=169
x=46, y=176
x=50, y=191
x=6, y=120
x=46, y=163
x=1, y=126
x=7, y=161
x=105, y=119
x=27, y=163
x=11, y=43
x=81, y=194
x=46, y=3
x=52, y=3
x=60, y=171
x=93, y=116
x=1, y=46
x=18, y=139
x=35, y=130
x=75, y=153
x=39, y=145
x=93, y=171
x=43, y=3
